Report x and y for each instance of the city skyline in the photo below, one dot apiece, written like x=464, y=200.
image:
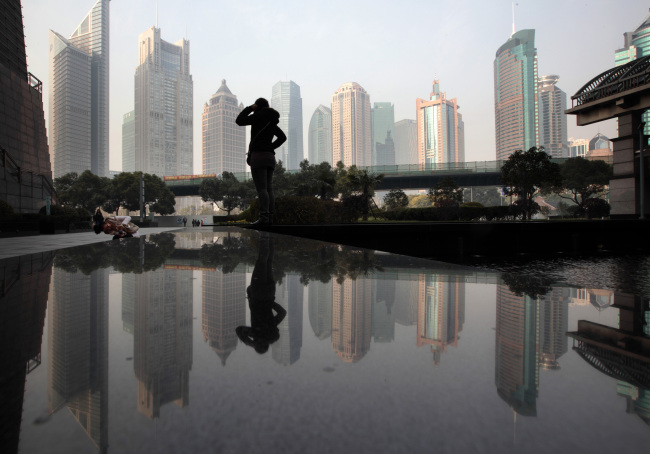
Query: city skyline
x=561, y=50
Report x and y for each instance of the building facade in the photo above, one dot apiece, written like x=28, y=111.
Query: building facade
x=441, y=132
x=578, y=147
x=128, y=142
x=79, y=95
x=351, y=127
x=515, y=94
x=163, y=106
x=383, y=134
x=23, y=138
x=286, y=100
x=224, y=143
x=319, y=139
x=406, y=142
x=552, y=119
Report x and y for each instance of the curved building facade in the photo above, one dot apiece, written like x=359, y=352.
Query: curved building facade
x=351, y=126
x=320, y=136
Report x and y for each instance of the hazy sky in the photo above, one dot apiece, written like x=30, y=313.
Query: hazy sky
x=394, y=49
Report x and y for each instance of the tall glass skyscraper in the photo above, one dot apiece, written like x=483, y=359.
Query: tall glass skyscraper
x=78, y=108
x=163, y=106
x=383, y=128
x=406, y=142
x=553, y=134
x=441, y=131
x=636, y=45
x=515, y=94
x=128, y=142
x=320, y=136
x=351, y=126
x=224, y=143
x=286, y=100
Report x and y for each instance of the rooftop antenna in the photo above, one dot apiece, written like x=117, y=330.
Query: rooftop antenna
x=513, y=17
x=156, y=13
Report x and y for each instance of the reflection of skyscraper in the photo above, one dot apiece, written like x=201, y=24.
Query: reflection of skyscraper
x=320, y=136
x=286, y=100
x=78, y=350
x=383, y=128
x=517, y=346
x=515, y=94
x=79, y=95
x=163, y=106
x=22, y=313
x=351, y=130
x=320, y=308
x=383, y=315
x=352, y=319
x=441, y=312
x=223, y=299
x=163, y=339
x=407, y=293
x=553, y=323
x=441, y=131
x=224, y=143
x=128, y=302
x=289, y=295
x=406, y=142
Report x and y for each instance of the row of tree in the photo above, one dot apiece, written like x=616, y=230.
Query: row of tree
x=89, y=191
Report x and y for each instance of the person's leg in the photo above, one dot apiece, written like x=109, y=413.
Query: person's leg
x=260, y=180
x=269, y=190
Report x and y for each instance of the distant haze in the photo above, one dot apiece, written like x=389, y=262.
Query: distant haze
x=392, y=49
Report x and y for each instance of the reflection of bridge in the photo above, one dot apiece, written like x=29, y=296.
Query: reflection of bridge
x=616, y=353
x=410, y=176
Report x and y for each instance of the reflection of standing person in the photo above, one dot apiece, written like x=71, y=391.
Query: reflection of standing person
x=184, y=221
x=261, y=301
x=264, y=127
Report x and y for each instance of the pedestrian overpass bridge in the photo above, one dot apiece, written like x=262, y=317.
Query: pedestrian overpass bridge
x=409, y=176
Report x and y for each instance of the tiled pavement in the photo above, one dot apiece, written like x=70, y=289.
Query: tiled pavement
x=21, y=245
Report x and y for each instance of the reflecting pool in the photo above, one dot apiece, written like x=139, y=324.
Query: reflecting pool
x=241, y=341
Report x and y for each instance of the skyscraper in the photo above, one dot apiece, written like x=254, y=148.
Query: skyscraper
x=406, y=142
x=515, y=94
x=128, y=142
x=320, y=136
x=163, y=106
x=79, y=71
x=383, y=127
x=286, y=100
x=351, y=129
x=636, y=45
x=552, y=119
x=224, y=143
x=441, y=131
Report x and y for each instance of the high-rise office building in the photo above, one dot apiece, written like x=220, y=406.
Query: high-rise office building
x=351, y=127
x=22, y=121
x=128, y=142
x=441, y=131
x=578, y=147
x=515, y=94
x=163, y=106
x=320, y=136
x=383, y=137
x=78, y=109
x=286, y=100
x=224, y=143
x=552, y=119
x=406, y=142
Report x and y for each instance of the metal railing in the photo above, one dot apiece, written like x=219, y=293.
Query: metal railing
x=35, y=83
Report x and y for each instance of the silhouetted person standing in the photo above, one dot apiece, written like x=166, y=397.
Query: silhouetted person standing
x=261, y=152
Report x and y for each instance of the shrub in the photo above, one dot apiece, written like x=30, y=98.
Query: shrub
x=295, y=210
x=596, y=208
x=6, y=210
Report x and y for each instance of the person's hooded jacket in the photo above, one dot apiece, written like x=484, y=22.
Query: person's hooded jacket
x=264, y=127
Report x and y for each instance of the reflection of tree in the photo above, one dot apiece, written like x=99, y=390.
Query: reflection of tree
x=527, y=285
x=133, y=255
x=313, y=261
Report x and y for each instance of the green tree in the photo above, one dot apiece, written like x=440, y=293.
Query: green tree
x=226, y=192
x=582, y=179
x=157, y=196
x=419, y=201
x=527, y=173
x=86, y=191
x=396, y=198
x=447, y=189
x=361, y=183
